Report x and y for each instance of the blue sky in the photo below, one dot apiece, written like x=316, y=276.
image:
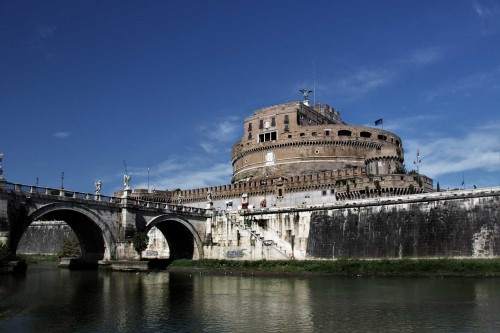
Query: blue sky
x=85, y=85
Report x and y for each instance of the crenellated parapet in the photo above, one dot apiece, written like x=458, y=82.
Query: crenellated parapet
x=345, y=184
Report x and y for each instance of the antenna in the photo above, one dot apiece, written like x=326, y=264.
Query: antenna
x=125, y=165
x=314, y=82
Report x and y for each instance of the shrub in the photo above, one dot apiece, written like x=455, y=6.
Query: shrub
x=140, y=241
x=70, y=247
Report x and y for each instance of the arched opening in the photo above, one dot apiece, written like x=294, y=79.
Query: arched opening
x=90, y=231
x=182, y=238
x=46, y=239
x=344, y=133
x=365, y=134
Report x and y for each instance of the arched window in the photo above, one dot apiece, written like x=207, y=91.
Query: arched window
x=344, y=133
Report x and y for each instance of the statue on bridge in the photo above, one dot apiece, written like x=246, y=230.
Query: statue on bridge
x=209, y=196
x=126, y=181
x=98, y=185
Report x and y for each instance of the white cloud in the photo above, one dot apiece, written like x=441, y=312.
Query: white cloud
x=410, y=122
x=425, y=56
x=363, y=81
x=189, y=177
x=478, y=150
x=209, y=148
x=222, y=130
x=46, y=31
x=482, y=10
x=481, y=80
x=61, y=135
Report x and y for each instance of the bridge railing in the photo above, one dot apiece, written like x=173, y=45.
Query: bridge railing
x=32, y=189
x=170, y=207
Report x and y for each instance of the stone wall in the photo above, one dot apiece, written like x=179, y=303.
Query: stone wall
x=44, y=237
x=453, y=228
x=445, y=224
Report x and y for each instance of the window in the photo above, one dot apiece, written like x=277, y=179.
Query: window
x=249, y=127
x=269, y=136
x=327, y=133
x=365, y=134
x=287, y=129
x=382, y=137
x=249, y=135
x=273, y=121
x=314, y=134
x=323, y=192
x=261, y=124
x=344, y=133
x=286, y=121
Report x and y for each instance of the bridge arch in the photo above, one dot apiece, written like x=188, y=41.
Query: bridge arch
x=182, y=238
x=96, y=239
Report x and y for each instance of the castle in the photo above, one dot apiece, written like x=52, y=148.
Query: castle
x=295, y=154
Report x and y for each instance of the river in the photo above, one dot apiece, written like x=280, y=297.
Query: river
x=49, y=299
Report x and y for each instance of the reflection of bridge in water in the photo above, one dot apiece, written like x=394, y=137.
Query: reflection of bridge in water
x=104, y=225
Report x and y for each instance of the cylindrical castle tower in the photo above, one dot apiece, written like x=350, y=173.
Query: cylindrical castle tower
x=294, y=139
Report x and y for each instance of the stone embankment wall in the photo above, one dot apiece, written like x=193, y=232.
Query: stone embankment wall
x=445, y=224
x=44, y=237
x=468, y=227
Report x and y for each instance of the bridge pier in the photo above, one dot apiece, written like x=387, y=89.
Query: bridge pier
x=4, y=219
x=4, y=237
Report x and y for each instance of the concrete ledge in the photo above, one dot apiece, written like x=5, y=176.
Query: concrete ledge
x=13, y=267
x=76, y=263
x=129, y=265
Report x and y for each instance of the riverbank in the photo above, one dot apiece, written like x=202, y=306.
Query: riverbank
x=36, y=258
x=346, y=267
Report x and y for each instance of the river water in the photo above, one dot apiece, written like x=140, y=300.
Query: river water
x=49, y=299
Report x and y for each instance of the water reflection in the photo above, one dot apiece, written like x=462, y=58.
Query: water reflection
x=52, y=299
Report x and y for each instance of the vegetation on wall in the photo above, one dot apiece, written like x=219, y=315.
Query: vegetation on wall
x=140, y=241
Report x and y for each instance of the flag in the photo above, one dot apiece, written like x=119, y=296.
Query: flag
x=379, y=122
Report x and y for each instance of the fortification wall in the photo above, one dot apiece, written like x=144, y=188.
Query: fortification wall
x=445, y=224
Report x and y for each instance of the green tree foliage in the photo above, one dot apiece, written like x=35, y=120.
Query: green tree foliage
x=400, y=170
x=140, y=240
x=4, y=252
x=70, y=247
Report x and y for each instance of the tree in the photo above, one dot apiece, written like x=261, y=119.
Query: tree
x=70, y=247
x=400, y=169
x=438, y=188
x=140, y=241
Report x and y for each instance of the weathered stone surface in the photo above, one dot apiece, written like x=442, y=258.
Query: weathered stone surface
x=463, y=228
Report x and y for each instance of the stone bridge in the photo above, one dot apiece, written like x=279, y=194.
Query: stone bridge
x=104, y=225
